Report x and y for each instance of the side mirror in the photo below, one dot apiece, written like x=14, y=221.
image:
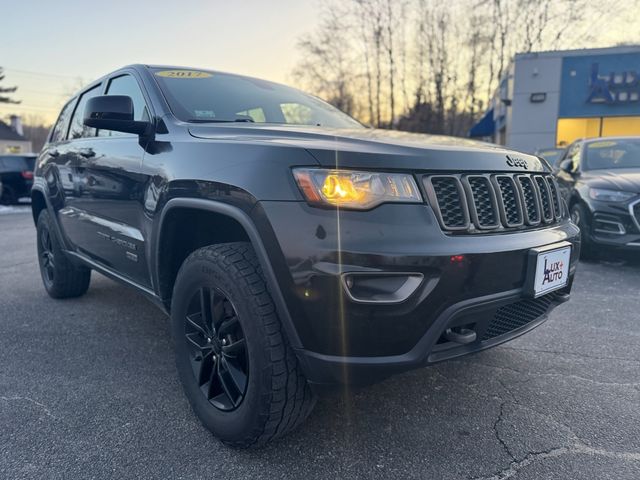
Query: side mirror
x=566, y=166
x=113, y=112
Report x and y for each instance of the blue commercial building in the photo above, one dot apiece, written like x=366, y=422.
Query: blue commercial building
x=549, y=99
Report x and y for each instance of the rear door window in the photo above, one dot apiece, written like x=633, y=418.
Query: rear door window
x=78, y=129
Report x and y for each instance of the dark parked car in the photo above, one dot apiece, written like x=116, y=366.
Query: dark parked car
x=292, y=247
x=600, y=180
x=551, y=155
x=16, y=177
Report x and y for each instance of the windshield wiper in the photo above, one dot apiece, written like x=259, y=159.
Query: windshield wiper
x=218, y=120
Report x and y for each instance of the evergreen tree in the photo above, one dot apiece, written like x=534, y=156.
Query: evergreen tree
x=3, y=90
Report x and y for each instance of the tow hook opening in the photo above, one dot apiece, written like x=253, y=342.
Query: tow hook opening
x=462, y=335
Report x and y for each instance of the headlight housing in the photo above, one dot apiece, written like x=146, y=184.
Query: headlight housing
x=355, y=189
x=605, y=195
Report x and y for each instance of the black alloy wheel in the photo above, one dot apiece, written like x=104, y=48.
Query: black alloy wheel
x=217, y=348
x=239, y=373
x=61, y=277
x=47, y=256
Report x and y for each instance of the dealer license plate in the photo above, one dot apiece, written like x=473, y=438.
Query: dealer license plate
x=552, y=270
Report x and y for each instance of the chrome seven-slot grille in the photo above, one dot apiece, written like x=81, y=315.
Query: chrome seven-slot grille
x=484, y=202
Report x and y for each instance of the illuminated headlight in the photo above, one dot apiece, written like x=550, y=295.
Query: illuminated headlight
x=610, y=195
x=355, y=189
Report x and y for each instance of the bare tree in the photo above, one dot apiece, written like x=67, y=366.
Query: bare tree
x=358, y=57
x=403, y=20
x=363, y=18
x=325, y=67
x=390, y=20
x=377, y=41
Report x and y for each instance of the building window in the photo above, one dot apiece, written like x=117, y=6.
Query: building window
x=570, y=129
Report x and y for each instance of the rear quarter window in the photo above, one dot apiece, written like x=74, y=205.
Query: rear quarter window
x=77, y=128
x=60, y=129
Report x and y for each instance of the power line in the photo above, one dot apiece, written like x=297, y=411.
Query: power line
x=40, y=74
x=36, y=104
x=43, y=92
x=14, y=106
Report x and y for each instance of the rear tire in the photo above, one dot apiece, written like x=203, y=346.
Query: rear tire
x=61, y=278
x=258, y=392
x=8, y=195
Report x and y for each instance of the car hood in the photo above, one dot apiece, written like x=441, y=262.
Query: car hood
x=374, y=148
x=626, y=180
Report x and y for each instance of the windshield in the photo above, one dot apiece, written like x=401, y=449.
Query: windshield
x=18, y=163
x=551, y=155
x=202, y=96
x=610, y=154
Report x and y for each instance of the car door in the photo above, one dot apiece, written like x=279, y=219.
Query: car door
x=567, y=179
x=64, y=169
x=108, y=211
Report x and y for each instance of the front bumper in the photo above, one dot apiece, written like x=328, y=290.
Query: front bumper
x=615, y=226
x=342, y=340
x=496, y=318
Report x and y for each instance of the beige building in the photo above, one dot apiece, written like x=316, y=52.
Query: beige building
x=12, y=139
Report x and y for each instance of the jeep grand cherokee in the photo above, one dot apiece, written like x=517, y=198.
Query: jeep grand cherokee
x=291, y=246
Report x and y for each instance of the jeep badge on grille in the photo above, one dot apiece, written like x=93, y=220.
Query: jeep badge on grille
x=513, y=161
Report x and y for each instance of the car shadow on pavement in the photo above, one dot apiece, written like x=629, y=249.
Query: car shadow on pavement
x=615, y=259
x=447, y=411
x=108, y=393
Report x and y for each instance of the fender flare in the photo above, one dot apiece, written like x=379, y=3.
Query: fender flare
x=246, y=222
x=41, y=187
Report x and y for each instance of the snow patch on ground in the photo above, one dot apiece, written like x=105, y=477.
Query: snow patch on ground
x=9, y=209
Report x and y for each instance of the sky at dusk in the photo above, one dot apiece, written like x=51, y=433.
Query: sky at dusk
x=49, y=49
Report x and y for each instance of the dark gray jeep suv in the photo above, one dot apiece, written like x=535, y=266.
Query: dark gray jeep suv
x=291, y=246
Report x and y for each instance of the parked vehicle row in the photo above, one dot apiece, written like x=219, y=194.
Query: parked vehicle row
x=600, y=180
x=16, y=177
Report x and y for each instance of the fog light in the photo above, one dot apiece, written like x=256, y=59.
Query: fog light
x=376, y=287
x=605, y=225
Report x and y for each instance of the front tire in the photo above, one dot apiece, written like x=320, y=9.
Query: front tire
x=234, y=361
x=61, y=278
x=580, y=217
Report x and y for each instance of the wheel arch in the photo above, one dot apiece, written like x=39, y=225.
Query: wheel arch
x=38, y=203
x=235, y=224
x=577, y=199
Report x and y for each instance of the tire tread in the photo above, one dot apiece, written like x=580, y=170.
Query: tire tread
x=288, y=399
x=70, y=280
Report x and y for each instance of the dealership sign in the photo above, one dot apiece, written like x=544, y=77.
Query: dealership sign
x=613, y=87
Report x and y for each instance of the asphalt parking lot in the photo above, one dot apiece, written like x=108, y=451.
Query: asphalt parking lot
x=88, y=389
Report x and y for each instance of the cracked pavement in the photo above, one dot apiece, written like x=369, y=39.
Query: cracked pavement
x=88, y=390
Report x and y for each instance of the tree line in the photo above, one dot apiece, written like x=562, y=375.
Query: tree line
x=432, y=66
